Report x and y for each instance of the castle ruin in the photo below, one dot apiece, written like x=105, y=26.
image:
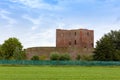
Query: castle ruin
x=78, y=41
x=80, y=38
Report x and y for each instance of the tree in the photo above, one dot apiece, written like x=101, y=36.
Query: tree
x=108, y=47
x=35, y=58
x=9, y=47
x=18, y=54
x=1, y=53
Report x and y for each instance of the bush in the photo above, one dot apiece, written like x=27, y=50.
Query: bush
x=87, y=57
x=43, y=57
x=78, y=57
x=54, y=56
x=65, y=57
x=57, y=56
x=35, y=58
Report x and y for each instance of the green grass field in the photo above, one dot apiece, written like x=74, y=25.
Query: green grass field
x=59, y=73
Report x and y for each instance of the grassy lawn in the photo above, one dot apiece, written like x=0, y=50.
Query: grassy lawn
x=59, y=73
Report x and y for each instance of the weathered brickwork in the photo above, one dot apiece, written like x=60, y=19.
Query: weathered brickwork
x=82, y=38
x=46, y=51
x=79, y=41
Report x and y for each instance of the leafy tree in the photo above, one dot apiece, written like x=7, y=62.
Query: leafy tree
x=54, y=56
x=35, y=58
x=18, y=54
x=108, y=47
x=9, y=47
x=1, y=53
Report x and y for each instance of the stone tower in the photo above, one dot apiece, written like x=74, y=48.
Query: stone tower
x=80, y=38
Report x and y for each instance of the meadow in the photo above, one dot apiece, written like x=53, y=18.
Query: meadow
x=59, y=72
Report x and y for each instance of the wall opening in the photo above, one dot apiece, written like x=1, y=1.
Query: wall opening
x=87, y=33
x=91, y=44
x=75, y=33
x=75, y=42
x=69, y=43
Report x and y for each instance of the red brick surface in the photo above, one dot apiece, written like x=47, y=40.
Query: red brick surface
x=74, y=42
x=82, y=38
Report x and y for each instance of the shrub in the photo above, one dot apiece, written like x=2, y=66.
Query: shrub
x=65, y=56
x=43, y=57
x=87, y=57
x=54, y=56
x=35, y=58
x=78, y=57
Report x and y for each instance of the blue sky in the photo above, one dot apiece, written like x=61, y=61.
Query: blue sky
x=34, y=22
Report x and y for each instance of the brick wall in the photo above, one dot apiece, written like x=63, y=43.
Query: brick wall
x=46, y=51
x=82, y=38
x=79, y=41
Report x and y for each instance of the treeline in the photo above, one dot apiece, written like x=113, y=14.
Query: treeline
x=107, y=49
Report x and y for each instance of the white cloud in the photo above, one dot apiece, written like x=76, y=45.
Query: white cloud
x=34, y=27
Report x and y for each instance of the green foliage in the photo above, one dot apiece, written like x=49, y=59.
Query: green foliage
x=78, y=57
x=35, y=58
x=10, y=47
x=65, y=56
x=108, y=47
x=43, y=57
x=54, y=56
x=84, y=57
x=1, y=53
x=57, y=56
x=87, y=57
x=117, y=55
x=18, y=54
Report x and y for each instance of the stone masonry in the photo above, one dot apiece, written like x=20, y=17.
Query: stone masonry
x=79, y=41
x=81, y=38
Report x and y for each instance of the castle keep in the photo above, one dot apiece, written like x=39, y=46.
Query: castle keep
x=78, y=41
x=80, y=38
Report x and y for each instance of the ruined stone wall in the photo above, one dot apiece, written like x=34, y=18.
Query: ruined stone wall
x=46, y=51
x=79, y=41
x=82, y=38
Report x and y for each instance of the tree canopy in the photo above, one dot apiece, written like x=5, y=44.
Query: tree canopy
x=9, y=48
x=108, y=47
